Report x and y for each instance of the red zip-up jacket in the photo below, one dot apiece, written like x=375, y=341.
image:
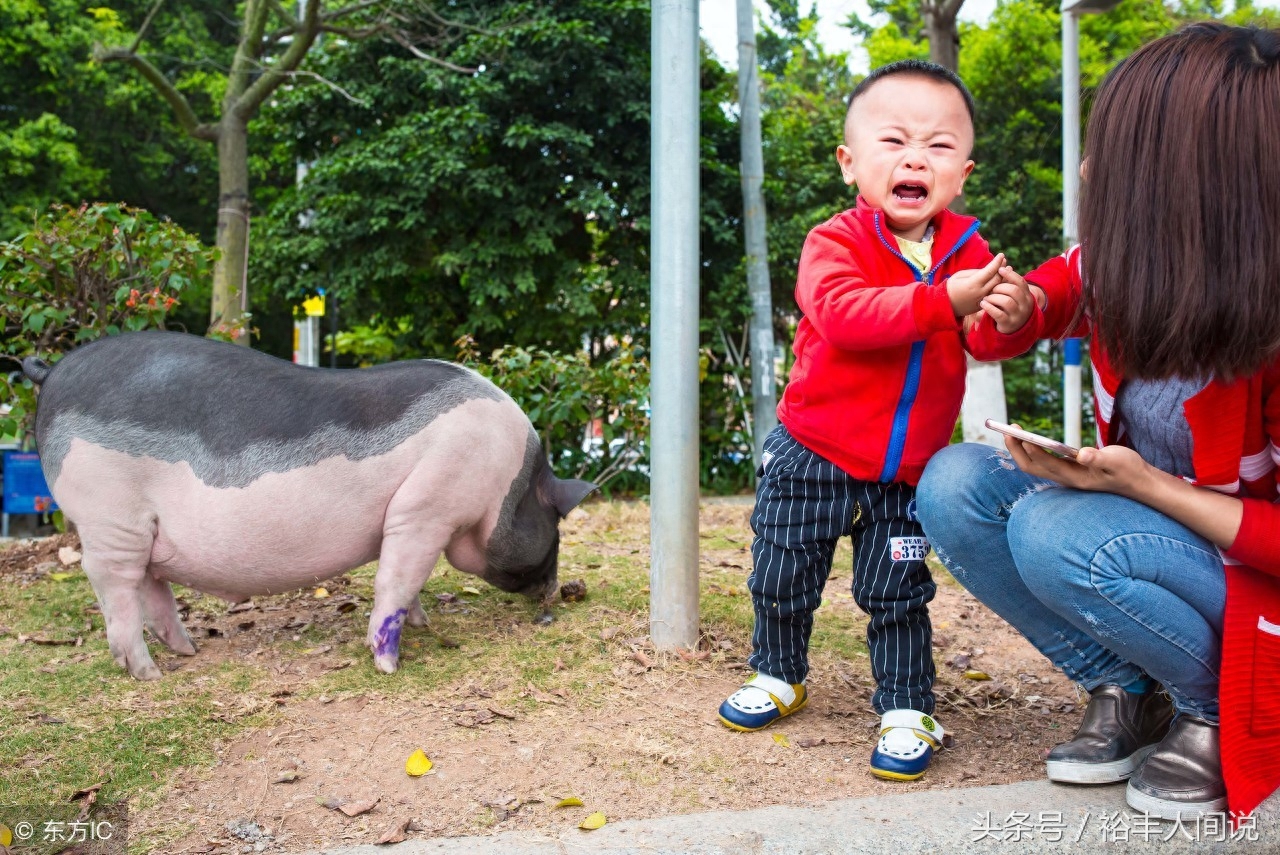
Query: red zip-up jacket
x=880, y=355
x=1235, y=434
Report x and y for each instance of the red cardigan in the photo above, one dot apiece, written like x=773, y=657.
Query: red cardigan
x=1235, y=430
x=880, y=355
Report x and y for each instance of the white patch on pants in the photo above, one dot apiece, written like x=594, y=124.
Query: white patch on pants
x=908, y=548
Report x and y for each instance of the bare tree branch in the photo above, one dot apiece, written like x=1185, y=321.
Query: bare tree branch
x=335, y=87
x=351, y=10
x=400, y=39
x=273, y=75
x=181, y=106
x=146, y=23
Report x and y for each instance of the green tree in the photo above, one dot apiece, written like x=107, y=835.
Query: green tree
x=509, y=205
x=261, y=51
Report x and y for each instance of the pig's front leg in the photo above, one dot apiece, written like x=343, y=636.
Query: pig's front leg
x=404, y=565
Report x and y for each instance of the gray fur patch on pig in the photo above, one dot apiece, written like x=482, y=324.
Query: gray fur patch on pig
x=233, y=414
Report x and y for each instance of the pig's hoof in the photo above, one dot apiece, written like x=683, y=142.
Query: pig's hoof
x=183, y=645
x=146, y=672
x=386, y=664
x=546, y=618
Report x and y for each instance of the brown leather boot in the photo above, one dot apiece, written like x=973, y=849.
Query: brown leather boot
x=1119, y=729
x=1182, y=778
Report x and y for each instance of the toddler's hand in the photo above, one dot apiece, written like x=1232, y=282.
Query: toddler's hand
x=968, y=287
x=1010, y=302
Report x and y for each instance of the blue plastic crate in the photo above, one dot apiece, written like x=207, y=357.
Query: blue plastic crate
x=25, y=490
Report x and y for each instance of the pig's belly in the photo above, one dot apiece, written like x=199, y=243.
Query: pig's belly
x=282, y=531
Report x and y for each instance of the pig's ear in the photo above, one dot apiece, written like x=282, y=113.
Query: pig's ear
x=566, y=495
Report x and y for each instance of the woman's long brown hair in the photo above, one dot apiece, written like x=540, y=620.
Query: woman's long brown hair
x=1180, y=207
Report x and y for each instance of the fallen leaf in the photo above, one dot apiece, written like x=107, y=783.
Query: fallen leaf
x=357, y=808
x=347, y=606
x=541, y=697
x=61, y=577
x=81, y=793
x=570, y=801
x=692, y=655
x=321, y=593
x=288, y=776
x=810, y=742
x=781, y=739
x=558, y=666
x=68, y=555
x=246, y=605
x=591, y=823
x=609, y=632
x=417, y=765
x=976, y=675
x=471, y=589
x=645, y=661
x=6, y=836
x=501, y=712
x=395, y=832
x=447, y=598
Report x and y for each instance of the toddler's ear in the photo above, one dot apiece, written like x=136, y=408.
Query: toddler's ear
x=844, y=157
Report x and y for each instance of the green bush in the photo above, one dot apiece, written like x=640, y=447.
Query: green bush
x=568, y=398
x=83, y=273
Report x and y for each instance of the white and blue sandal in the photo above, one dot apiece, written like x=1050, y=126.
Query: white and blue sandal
x=908, y=739
x=760, y=702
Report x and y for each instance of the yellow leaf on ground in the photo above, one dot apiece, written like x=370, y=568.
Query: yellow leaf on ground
x=471, y=590
x=591, y=823
x=571, y=801
x=61, y=577
x=976, y=675
x=6, y=836
x=321, y=593
x=781, y=739
x=417, y=764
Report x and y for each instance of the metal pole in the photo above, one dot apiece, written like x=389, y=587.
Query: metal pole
x=763, y=398
x=1071, y=380
x=673, y=579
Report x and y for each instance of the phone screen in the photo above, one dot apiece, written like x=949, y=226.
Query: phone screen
x=1050, y=445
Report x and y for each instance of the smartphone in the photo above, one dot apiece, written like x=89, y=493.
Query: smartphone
x=1051, y=445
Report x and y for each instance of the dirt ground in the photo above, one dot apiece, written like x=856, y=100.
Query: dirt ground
x=652, y=747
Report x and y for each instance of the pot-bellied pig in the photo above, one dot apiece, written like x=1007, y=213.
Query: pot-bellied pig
x=185, y=460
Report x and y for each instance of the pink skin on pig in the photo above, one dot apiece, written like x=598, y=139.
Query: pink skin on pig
x=145, y=523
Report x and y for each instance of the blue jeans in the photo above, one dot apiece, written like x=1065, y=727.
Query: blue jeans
x=1105, y=587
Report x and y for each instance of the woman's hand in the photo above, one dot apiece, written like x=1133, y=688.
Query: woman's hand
x=1114, y=469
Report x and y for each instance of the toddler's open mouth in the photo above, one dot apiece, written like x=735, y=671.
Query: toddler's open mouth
x=909, y=191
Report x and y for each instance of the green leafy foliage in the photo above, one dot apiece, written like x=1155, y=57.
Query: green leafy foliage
x=83, y=273
x=593, y=418
x=74, y=130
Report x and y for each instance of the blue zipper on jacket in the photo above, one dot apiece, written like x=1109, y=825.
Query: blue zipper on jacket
x=911, y=385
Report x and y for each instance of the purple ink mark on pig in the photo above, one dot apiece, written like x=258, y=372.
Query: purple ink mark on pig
x=387, y=638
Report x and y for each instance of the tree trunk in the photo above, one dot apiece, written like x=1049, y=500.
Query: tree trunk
x=984, y=381
x=763, y=394
x=230, y=295
x=940, y=28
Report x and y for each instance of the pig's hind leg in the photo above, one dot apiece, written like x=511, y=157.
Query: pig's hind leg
x=161, y=613
x=115, y=560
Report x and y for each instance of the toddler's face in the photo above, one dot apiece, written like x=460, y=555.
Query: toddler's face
x=907, y=144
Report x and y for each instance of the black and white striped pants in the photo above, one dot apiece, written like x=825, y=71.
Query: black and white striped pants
x=804, y=505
